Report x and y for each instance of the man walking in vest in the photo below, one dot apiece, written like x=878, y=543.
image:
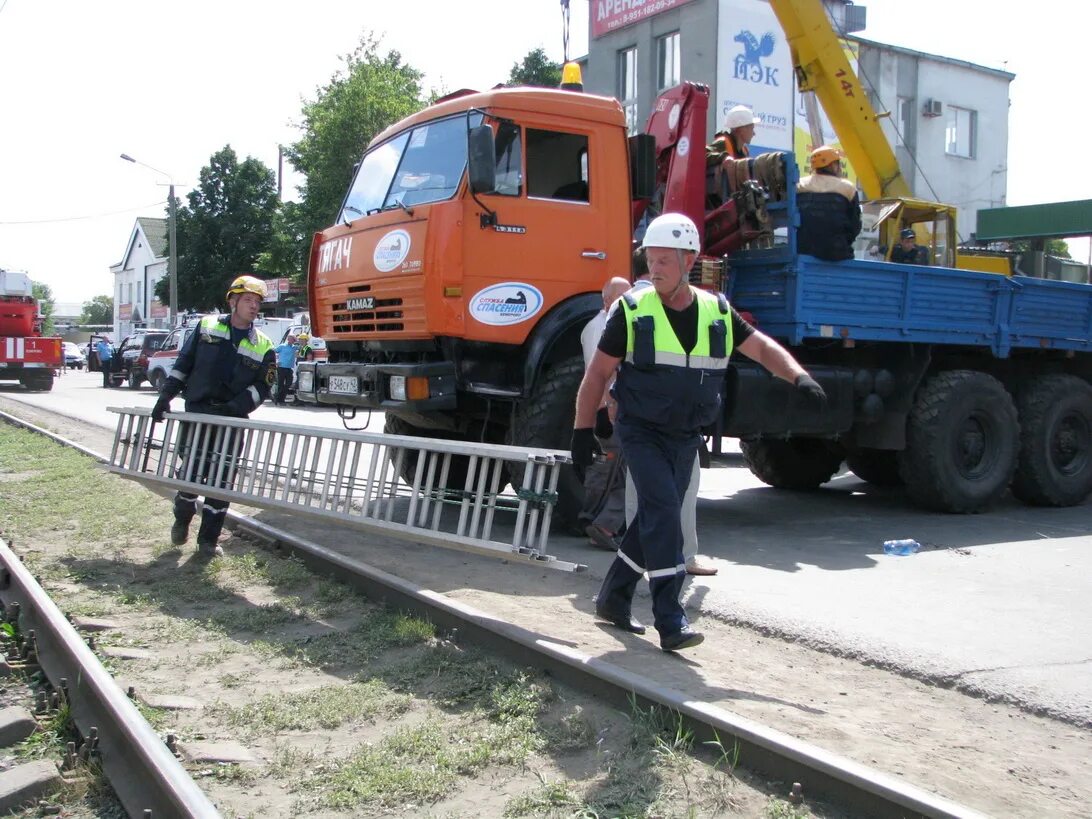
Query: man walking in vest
x=670, y=344
x=226, y=367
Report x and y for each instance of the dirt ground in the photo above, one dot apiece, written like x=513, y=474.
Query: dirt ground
x=989, y=756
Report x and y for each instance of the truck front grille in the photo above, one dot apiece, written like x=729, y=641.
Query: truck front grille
x=385, y=316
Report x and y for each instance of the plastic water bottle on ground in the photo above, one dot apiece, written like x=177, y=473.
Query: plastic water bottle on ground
x=900, y=547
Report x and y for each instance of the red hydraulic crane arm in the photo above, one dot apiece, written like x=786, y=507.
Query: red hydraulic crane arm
x=677, y=122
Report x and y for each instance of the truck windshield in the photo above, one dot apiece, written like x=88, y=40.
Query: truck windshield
x=422, y=165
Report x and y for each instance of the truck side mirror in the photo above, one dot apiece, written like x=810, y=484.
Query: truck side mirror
x=481, y=159
x=642, y=166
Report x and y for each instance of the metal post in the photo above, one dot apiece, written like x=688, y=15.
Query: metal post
x=172, y=262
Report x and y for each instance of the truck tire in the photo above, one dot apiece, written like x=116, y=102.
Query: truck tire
x=545, y=420
x=962, y=439
x=798, y=463
x=37, y=381
x=1055, y=462
x=134, y=380
x=456, y=472
x=879, y=467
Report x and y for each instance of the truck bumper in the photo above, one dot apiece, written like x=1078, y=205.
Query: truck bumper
x=416, y=387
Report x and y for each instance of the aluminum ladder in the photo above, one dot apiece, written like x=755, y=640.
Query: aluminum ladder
x=348, y=477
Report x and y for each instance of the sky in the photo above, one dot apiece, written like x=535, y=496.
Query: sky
x=172, y=83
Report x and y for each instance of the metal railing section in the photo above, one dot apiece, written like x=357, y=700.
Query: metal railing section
x=454, y=498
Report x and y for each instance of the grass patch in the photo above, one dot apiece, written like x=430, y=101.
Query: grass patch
x=256, y=619
x=323, y=708
x=51, y=500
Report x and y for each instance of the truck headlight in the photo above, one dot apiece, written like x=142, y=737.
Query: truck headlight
x=398, y=387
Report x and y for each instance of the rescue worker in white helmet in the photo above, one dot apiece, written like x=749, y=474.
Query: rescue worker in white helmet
x=670, y=345
x=226, y=367
x=739, y=129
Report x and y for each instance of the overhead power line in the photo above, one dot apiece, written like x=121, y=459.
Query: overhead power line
x=87, y=216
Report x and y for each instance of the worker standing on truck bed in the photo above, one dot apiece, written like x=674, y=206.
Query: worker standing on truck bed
x=739, y=130
x=226, y=367
x=830, y=210
x=670, y=344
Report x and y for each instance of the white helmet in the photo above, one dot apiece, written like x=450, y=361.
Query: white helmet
x=739, y=116
x=672, y=230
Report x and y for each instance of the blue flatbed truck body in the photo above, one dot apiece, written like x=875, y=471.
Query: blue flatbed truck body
x=795, y=297
x=955, y=383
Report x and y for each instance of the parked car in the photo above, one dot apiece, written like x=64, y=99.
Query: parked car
x=161, y=362
x=74, y=359
x=133, y=356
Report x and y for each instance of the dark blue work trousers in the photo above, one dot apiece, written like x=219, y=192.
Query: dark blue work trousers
x=660, y=462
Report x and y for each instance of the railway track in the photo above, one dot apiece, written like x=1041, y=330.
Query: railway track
x=856, y=788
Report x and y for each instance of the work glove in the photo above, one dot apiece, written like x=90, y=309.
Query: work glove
x=810, y=388
x=603, y=427
x=584, y=447
x=162, y=405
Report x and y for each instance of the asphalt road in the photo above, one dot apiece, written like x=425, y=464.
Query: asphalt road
x=993, y=603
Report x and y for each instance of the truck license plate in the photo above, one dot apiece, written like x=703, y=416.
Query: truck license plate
x=344, y=384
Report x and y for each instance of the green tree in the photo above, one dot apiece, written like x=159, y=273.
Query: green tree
x=536, y=69
x=1053, y=247
x=100, y=310
x=221, y=232
x=369, y=93
x=44, y=295
x=286, y=255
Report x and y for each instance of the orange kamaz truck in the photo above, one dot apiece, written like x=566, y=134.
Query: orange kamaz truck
x=469, y=254
x=472, y=245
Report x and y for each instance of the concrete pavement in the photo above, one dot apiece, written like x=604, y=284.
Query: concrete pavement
x=995, y=603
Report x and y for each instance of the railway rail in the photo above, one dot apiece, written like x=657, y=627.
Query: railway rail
x=854, y=787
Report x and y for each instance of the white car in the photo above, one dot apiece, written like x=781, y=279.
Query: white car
x=161, y=362
x=74, y=359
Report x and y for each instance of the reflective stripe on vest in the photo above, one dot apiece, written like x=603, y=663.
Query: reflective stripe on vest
x=668, y=351
x=254, y=346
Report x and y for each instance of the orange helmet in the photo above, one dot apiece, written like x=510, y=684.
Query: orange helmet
x=247, y=284
x=824, y=156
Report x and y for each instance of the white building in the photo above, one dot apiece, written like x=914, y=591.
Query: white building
x=952, y=116
x=135, y=276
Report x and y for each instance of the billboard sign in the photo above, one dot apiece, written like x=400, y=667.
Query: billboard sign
x=754, y=68
x=611, y=15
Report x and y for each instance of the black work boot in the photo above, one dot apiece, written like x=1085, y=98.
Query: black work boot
x=209, y=533
x=180, y=531
x=184, y=508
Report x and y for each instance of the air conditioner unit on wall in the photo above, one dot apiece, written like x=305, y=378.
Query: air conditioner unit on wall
x=933, y=108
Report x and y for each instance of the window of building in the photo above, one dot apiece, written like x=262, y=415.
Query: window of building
x=959, y=132
x=627, y=85
x=557, y=165
x=668, y=64
x=140, y=292
x=903, y=120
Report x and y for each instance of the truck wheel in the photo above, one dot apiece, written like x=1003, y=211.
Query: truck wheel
x=962, y=438
x=545, y=420
x=1055, y=463
x=456, y=472
x=38, y=382
x=879, y=467
x=799, y=463
x=134, y=381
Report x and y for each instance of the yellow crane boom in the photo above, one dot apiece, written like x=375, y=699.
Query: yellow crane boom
x=821, y=66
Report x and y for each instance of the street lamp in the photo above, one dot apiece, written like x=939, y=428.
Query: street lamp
x=172, y=220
